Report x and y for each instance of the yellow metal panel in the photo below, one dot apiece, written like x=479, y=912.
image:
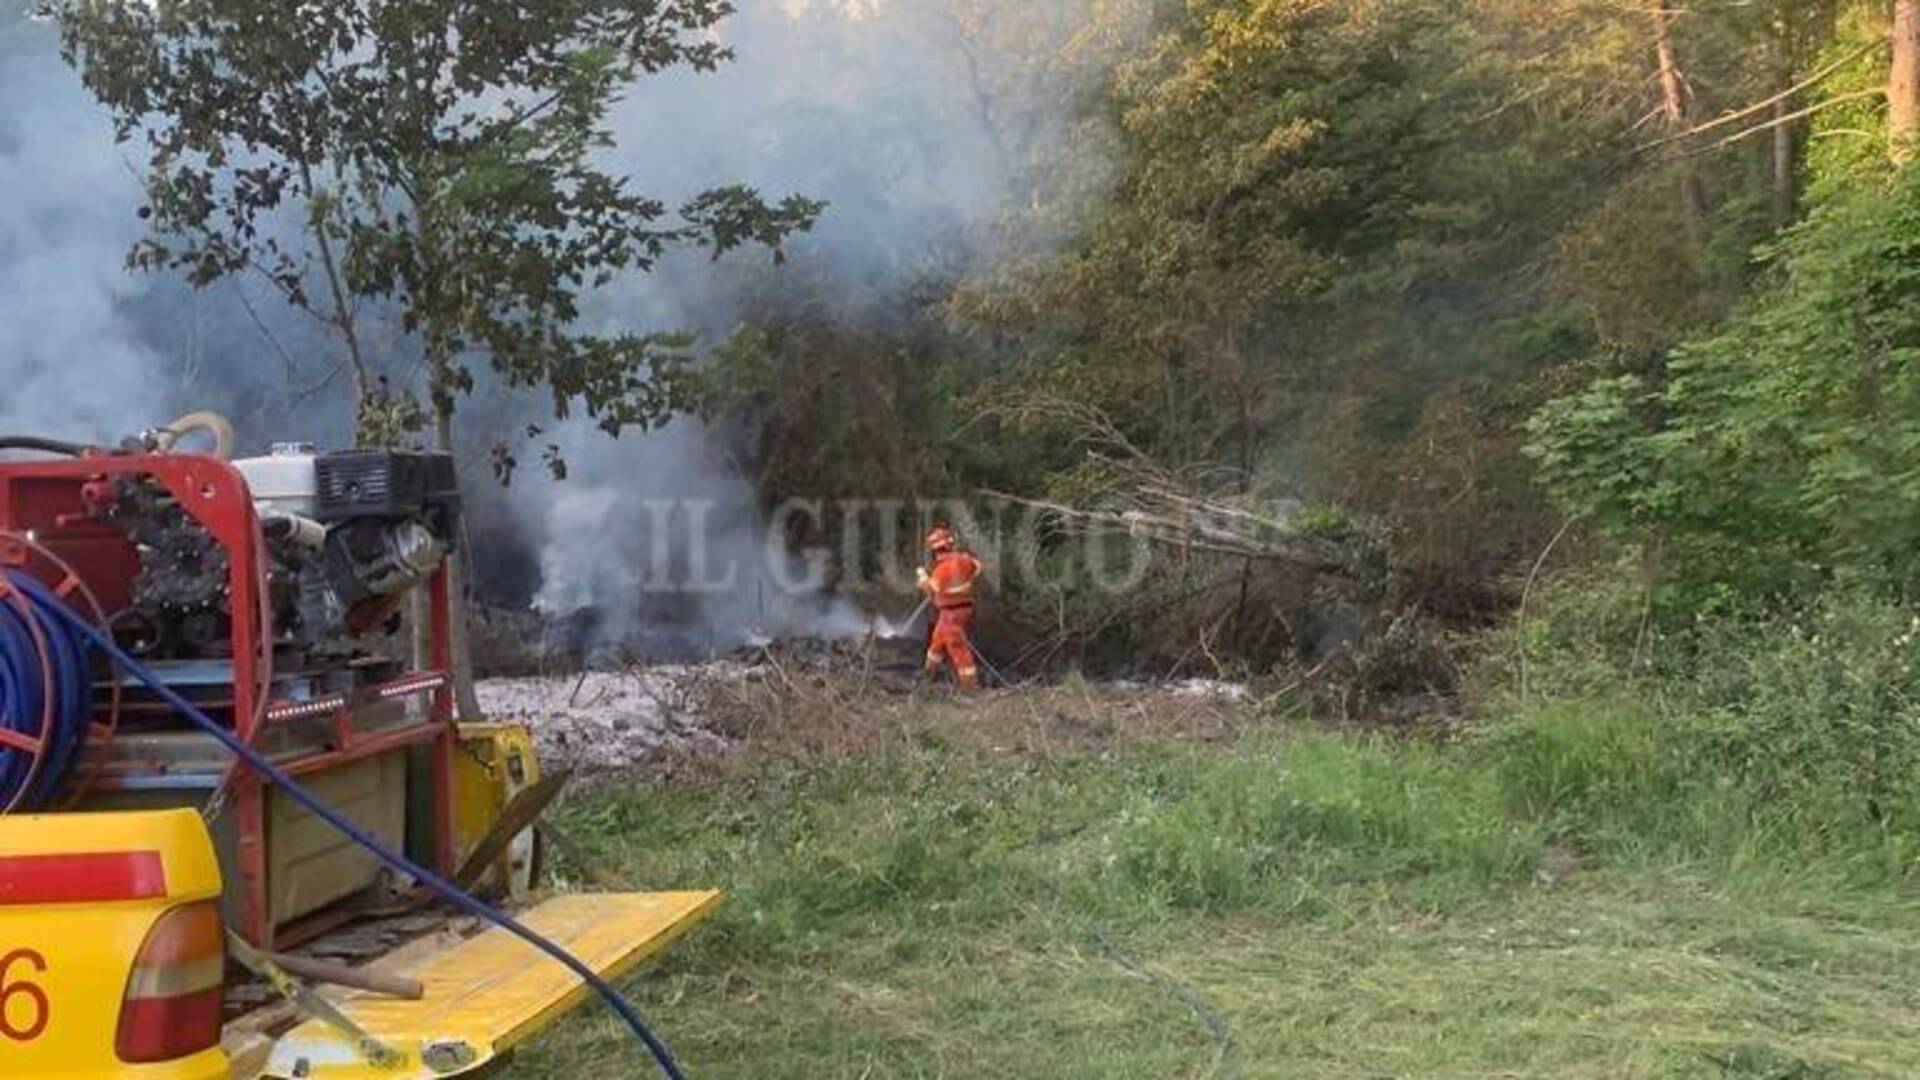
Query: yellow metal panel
x=311, y=864
x=493, y=763
x=493, y=991
x=81, y=953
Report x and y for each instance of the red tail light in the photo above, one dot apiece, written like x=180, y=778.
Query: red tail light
x=172, y=1005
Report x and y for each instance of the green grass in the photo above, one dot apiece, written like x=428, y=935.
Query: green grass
x=1570, y=896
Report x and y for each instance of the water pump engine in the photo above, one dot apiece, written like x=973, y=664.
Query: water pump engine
x=345, y=533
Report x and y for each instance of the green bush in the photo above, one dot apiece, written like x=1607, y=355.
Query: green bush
x=1819, y=714
x=1779, y=450
x=1785, y=736
x=1580, y=637
x=1617, y=781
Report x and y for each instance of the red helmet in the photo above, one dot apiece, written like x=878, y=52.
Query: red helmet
x=940, y=539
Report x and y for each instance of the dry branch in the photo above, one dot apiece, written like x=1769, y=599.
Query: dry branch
x=1192, y=524
x=1760, y=106
x=1788, y=118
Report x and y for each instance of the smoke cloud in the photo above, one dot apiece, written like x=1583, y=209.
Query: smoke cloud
x=74, y=360
x=880, y=107
x=91, y=351
x=859, y=103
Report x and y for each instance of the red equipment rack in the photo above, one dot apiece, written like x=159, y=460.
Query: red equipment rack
x=47, y=501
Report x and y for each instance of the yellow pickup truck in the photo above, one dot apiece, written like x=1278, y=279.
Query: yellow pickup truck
x=114, y=964
x=231, y=682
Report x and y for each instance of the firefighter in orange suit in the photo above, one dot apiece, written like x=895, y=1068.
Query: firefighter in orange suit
x=950, y=585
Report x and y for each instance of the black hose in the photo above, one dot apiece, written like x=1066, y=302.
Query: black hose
x=44, y=445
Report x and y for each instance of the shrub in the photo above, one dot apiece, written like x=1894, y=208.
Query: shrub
x=1785, y=735
x=1819, y=715
x=1780, y=449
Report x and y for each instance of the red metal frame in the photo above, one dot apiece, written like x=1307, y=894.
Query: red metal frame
x=48, y=502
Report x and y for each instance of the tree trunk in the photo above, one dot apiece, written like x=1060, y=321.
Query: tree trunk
x=1786, y=149
x=1673, y=91
x=1903, y=89
x=342, y=317
x=466, y=700
x=1672, y=88
x=1785, y=183
x=1785, y=143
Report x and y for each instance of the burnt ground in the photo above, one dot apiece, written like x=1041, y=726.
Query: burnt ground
x=832, y=700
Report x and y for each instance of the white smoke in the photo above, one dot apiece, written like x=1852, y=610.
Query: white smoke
x=852, y=9
x=871, y=106
x=90, y=350
x=874, y=105
x=666, y=548
x=73, y=361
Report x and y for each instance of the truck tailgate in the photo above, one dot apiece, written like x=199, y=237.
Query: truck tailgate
x=491, y=992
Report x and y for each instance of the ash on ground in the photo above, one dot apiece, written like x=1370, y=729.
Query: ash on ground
x=638, y=713
x=602, y=720
x=1213, y=689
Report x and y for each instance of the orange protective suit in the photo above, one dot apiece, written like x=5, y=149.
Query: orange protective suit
x=950, y=584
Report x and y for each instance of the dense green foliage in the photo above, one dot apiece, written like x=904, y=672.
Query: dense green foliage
x=1787, y=737
x=1781, y=449
x=1361, y=256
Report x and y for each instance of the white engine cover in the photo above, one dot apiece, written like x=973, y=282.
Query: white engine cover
x=285, y=481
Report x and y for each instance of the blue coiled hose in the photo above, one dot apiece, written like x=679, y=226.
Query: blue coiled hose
x=20, y=676
x=34, y=643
